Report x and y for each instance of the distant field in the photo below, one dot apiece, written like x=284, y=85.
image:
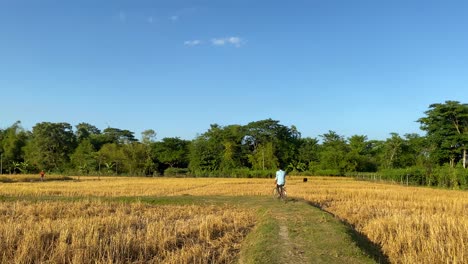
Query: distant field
x=409, y=224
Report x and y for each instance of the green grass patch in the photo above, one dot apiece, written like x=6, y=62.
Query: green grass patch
x=296, y=232
x=258, y=246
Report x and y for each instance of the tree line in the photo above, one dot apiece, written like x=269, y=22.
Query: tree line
x=253, y=150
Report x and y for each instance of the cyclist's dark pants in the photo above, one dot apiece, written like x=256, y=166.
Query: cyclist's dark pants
x=279, y=188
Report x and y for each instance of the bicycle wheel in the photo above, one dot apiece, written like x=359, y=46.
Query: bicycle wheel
x=275, y=193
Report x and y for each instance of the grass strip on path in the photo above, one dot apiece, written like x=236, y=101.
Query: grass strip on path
x=295, y=232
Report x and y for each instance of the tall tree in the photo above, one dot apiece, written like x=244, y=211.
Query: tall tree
x=118, y=136
x=84, y=157
x=233, y=153
x=112, y=157
x=393, y=148
x=308, y=150
x=359, y=157
x=447, y=130
x=85, y=131
x=12, y=140
x=333, y=153
x=416, y=151
x=285, y=140
x=50, y=146
x=306, y=156
x=218, y=149
x=204, y=155
x=148, y=138
x=135, y=154
x=172, y=152
x=264, y=157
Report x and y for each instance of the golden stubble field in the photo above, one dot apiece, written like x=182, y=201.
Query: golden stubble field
x=410, y=224
x=103, y=232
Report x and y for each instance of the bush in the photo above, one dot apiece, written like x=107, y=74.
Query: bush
x=240, y=173
x=176, y=172
x=364, y=175
x=412, y=175
x=446, y=176
x=441, y=176
x=328, y=172
x=235, y=173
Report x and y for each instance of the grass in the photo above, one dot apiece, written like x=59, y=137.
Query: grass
x=295, y=232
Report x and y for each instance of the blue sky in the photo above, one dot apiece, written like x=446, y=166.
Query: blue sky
x=354, y=67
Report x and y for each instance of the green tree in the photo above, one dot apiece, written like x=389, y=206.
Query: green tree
x=415, y=151
x=308, y=155
x=112, y=156
x=85, y=131
x=50, y=145
x=232, y=152
x=258, y=145
x=219, y=149
x=358, y=158
x=264, y=157
x=172, y=152
x=84, y=157
x=446, y=126
x=392, y=150
x=12, y=141
x=118, y=136
x=286, y=141
x=135, y=155
x=204, y=155
x=148, y=138
x=333, y=153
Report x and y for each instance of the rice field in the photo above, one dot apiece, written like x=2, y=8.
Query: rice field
x=410, y=224
x=102, y=232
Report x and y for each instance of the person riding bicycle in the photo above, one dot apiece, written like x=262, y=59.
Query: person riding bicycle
x=280, y=180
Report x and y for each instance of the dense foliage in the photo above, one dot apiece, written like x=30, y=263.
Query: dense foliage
x=252, y=150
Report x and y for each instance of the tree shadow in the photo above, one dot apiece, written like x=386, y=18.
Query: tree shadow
x=370, y=248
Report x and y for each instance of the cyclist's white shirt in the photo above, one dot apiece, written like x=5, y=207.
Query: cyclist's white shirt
x=280, y=177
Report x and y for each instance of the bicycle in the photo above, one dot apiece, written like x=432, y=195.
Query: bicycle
x=283, y=195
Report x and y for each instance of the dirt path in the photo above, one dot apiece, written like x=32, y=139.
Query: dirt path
x=295, y=232
x=291, y=252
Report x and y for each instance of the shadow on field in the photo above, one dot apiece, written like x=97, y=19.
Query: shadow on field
x=6, y=179
x=372, y=249
x=362, y=241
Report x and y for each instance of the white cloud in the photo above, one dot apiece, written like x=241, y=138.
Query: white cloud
x=192, y=43
x=218, y=41
x=235, y=41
